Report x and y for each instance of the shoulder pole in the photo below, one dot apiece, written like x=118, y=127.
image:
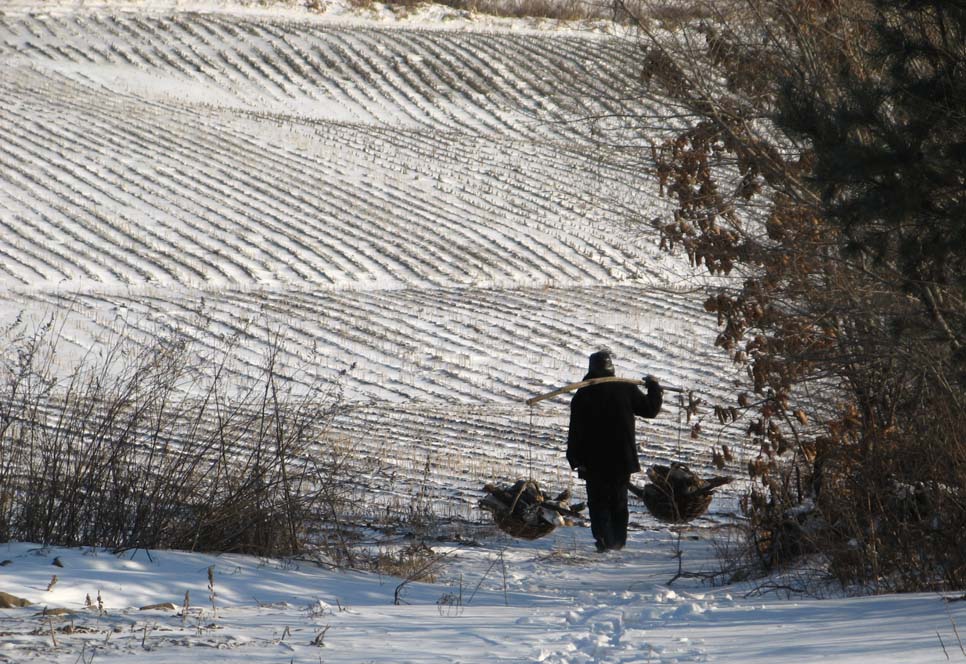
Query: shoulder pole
x=594, y=381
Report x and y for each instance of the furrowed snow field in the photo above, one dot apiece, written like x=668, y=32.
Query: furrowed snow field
x=420, y=206
x=423, y=209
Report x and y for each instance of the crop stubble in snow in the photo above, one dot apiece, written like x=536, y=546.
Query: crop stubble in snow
x=418, y=207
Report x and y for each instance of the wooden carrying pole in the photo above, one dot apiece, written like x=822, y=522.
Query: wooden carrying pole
x=595, y=381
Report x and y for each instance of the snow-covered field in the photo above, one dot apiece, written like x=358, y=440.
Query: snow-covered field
x=422, y=207
x=550, y=601
x=418, y=203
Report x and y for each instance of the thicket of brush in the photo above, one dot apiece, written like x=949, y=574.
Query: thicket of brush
x=667, y=13
x=157, y=446
x=822, y=178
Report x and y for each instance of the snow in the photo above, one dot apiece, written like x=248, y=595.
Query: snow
x=405, y=192
x=559, y=603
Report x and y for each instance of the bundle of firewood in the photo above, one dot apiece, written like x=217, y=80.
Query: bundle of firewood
x=524, y=510
x=675, y=494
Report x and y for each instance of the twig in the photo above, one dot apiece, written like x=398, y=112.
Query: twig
x=955, y=630
x=83, y=658
x=681, y=574
x=482, y=579
x=211, y=591
x=185, y=607
x=679, y=554
x=760, y=590
x=319, y=639
x=939, y=636
x=506, y=597
x=397, y=595
x=53, y=633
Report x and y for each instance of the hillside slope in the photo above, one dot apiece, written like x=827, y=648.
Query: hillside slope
x=423, y=211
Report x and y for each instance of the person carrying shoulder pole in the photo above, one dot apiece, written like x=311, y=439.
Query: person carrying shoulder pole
x=602, y=448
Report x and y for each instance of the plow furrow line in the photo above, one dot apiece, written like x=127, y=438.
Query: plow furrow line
x=355, y=84
x=243, y=195
x=373, y=349
x=403, y=78
x=151, y=245
x=472, y=79
x=350, y=198
x=366, y=201
x=399, y=339
x=78, y=220
x=21, y=249
x=514, y=96
x=365, y=65
x=321, y=81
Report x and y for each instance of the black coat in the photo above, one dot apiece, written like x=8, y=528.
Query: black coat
x=601, y=436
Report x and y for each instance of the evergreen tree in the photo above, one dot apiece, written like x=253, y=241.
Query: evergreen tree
x=889, y=136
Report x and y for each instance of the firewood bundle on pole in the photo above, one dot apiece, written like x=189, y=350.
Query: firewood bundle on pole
x=675, y=494
x=524, y=510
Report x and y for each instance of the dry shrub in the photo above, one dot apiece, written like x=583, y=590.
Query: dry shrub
x=415, y=561
x=561, y=10
x=895, y=513
x=669, y=14
x=167, y=444
x=153, y=447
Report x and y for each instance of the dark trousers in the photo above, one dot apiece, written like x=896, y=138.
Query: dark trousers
x=607, y=505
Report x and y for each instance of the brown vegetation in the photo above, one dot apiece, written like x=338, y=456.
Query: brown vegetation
x=822, y=179
x=669, y=14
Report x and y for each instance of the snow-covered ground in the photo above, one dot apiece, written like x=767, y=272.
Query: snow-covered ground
x=416, y=201
x=549, y=601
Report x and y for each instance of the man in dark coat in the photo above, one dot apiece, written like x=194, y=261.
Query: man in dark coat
x=601, y=446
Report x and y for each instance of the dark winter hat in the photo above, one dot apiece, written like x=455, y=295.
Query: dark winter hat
x=601, y=364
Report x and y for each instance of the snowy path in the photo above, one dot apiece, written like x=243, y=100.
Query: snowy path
x=563, y=604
